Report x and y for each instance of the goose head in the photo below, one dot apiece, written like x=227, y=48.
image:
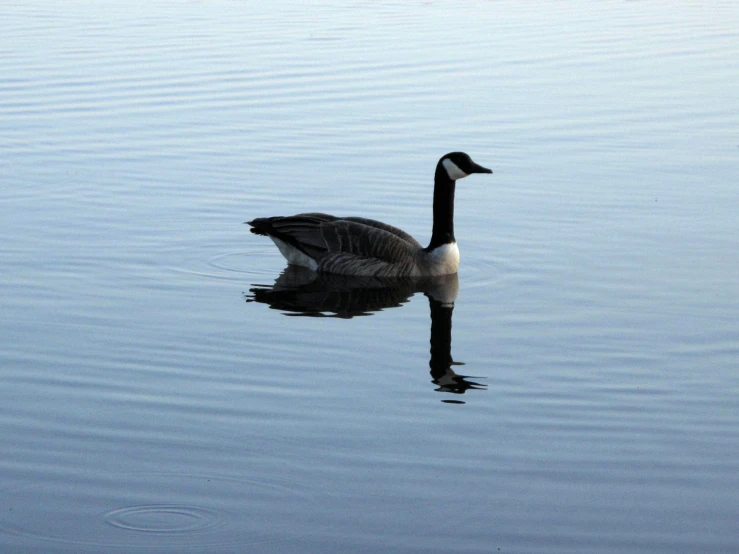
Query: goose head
x=458, y=165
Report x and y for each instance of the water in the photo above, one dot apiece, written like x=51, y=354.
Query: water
x=152, y=401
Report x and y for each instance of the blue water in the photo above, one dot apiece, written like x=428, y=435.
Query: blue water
x=159, y=395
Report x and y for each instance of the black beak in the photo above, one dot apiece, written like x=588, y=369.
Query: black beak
x=479, y=169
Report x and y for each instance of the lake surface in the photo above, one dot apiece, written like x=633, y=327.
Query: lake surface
x=162, y=388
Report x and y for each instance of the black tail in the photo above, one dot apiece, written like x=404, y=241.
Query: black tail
x=260, y=226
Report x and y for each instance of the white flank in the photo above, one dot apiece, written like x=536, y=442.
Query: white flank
x=295, y=256
x=453, y=170
x=444, y=259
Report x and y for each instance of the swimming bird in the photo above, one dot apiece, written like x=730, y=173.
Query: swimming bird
x=360, y=246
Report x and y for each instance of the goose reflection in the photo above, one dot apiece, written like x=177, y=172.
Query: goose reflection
x=299, y=291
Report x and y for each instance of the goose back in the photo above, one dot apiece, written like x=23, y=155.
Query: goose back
x=344, y=245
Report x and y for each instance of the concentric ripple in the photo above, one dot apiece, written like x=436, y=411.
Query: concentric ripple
x=226, y=266
x=165, y=518
x=149, y=511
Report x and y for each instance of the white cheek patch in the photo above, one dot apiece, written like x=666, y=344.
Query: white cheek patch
x=453, y=170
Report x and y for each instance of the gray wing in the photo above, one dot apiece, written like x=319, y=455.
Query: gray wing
x=317, y=234
x=385, y=227
x=366, y=238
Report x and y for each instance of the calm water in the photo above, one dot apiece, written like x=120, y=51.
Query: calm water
x=161, y=387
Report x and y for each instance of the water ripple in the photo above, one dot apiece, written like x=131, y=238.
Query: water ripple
x=171, y=511
x=166, y=518
x=230, y=266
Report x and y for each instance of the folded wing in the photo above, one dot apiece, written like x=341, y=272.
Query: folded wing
x=318, y=234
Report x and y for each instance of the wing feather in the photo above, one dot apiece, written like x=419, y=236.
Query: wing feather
x=349, y=236
x=385, y=227
x=351, y=245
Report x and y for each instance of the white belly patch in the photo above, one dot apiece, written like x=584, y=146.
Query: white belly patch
x=294, y=256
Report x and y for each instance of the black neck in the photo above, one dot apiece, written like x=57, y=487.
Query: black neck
x=443, y=231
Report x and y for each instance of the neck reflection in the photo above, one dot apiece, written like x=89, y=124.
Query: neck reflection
x=441, y=361
x=301, y=292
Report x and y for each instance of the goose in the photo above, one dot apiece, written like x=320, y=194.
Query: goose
x=365, y=247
